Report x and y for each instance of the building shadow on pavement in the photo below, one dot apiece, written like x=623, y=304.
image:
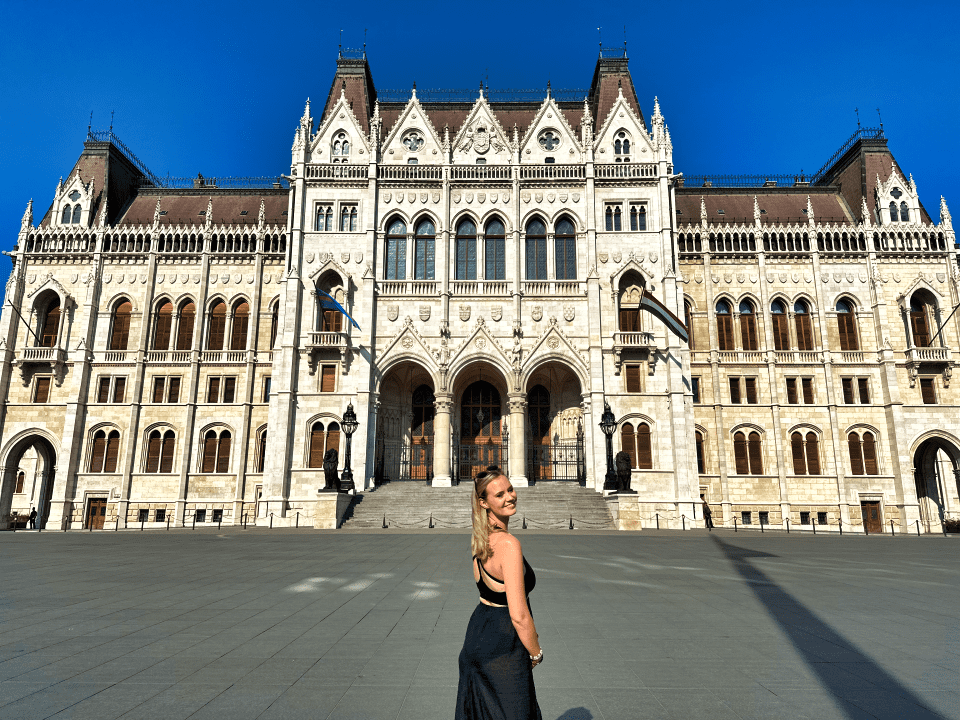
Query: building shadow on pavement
x=580, y=713
x=840, y=666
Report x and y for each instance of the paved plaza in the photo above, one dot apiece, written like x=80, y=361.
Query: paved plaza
x=335, y=624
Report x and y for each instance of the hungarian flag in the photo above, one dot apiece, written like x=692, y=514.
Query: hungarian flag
x=660, y=311
x=328, y=303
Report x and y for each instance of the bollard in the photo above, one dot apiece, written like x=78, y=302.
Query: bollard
x=658, y=521
x=840, y=523
x=918, y=528
x=117, y=526
x=866, y=530
x=168, y=523
x=524, y=522
x=571, y=522
x=735, y=524
x=385, y=520
x=892, y=533
x=298, y=519
x=220, y=522
x=430, y=524
x=194, y=520
x=683, y=520
x=142, y=521
x=814, y=527
x=761, y=527
x=788, y=526
x=271, y=521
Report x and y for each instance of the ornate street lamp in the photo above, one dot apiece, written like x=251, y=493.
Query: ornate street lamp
x=608, y=423
x=349, y=426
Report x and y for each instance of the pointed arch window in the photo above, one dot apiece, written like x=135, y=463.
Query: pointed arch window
x=781, y=329
x=261, y=452
x=894, y=215
x=274, y=323
x=724, y=326
x=188, y=314
x=20, y=480
x=76, y=214
x=66, y=214
x=120, y=332
x=425, y=249
x=638, y=218
x=332, y=320
x=806, y=453
x=847, y=326
x=748, y=326
x=919, y=321
x=106, y=451
x=50, y=323
x=163, y=326
x=621, y=146
x=801, y=318
x=565, y=242
x=324, y=221
x=218, y=325
x=241, y=321
x=863, y=453
x=396, y=251
x=688, y=321
x=904, y=212
x=160, y=447
x=466, y=250
x=536, y=250
x=494, y=251
x=216, y=452
x=701, y=457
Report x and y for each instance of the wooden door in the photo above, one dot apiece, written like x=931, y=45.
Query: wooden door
x=96, y=513
x=871, y=517
x=481, y=443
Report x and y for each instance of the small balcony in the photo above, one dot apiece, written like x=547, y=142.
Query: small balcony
x=416, y=288
x=41, y=355
x=475, y=288
x=928, y=355
x=232, y=357
x=639, y=343
x=800, y=357
x=326, y=340
x=168, y=357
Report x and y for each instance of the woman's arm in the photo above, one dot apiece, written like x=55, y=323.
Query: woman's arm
x=511, y=562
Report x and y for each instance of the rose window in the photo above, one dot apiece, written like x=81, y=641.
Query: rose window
x=549, y=140
x=413, y=140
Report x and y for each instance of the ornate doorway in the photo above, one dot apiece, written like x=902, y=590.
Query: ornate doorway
x=421, y=433
x=937, y=476
x=555, y=442
x=405, y=426
x=482, y=439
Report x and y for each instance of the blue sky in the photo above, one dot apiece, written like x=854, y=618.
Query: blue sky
x=217, y=87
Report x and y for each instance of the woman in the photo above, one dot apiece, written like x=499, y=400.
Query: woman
x=501, y=648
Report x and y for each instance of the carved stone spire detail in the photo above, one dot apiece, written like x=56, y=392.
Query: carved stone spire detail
x=262, y=216
x=756, y=211
x=156, y=214
x=209, y=216
x=103, y=213
x=26, y=222
x=945, y=219
x=866, y=218
x=810, y=218
x=703, y=212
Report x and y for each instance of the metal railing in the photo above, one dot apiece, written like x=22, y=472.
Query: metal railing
x=463, y=95
x=397, y=460
x=744, y=181
x=562, y=460
x=860, y=134
x=471, y=458
x=108, y=136
x=228, y=182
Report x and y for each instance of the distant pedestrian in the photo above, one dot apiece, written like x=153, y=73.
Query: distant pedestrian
x=707, y=513
x=33, y=519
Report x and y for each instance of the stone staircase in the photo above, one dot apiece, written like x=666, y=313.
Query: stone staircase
x=418, y=505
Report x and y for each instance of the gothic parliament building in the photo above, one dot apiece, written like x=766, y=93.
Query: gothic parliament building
x=168, y=354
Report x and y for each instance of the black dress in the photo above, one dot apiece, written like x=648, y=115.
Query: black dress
x=496, y=675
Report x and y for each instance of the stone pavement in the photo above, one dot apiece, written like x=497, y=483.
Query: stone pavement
x=333, y=624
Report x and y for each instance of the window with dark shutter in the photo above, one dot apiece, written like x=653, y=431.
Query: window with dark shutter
x=633, y=378
x=120, y=334
x=735, y=390
x=695, y=386
x=796, y=447
x=807, y=384
x=724, y=325
x=218, y=325
x=20, y=480
x=153, y=452
x=740, y=453
x=918, y=323
x=628, y=443
x=630, y=320
x=158, y=388
x=701, y=460
x=565, y=250
x=229, y=389
x=262, y=455
x=813, y=454
x=864, y=386
x=781, y=330
x=333, y=437
x=209, y=464
x=751, y=386
x=803, y=326
x=103, y=390
x=755, y=452
x=161, y=333
x=856, y=454
x=928, y=391
x=536, y=250
x=328, y=378
x=266, y=389
x=119, y=387
x=223, y=453
x=331, y=321
x=241, y=319
x=495, y=251
x=274, y=323
x=748, y=326
x=173, y=390
x=213, y=390
x=792, y=398
x=41, y=391
x=644, y=449
x=316, y=446
x=99, y=451
x=188, y=314
x=166, y=454
x=688, y=321
x=869, y=455
x=113, y=452
x=847, y=326
x=847, y=384
x=51, y=324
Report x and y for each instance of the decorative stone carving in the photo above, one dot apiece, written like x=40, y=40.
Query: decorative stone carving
x=496, y=313
x=456, y=197
x=569, y=313
x=603, y=257
x=393, y=312
x=538, y=197
x=468, y=197
x=464, y=312
x=617, y=256
x=387, y=197
x=424, y=312
x=436, y=196
x=653, y=257
x=506, y=197
x=359, y=257
x=576, y=197
x=553, y=343
x=310, y=257
x=345, y=257
x=480, y=343
x=537, y=313
x=407, y=342
x=481, y=197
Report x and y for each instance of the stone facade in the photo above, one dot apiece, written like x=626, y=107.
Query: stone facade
x=169, y=354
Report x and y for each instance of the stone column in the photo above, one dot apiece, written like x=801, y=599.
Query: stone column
x=517, y=407
x=441, y=440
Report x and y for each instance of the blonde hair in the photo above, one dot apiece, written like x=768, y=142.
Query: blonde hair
x=480, y=540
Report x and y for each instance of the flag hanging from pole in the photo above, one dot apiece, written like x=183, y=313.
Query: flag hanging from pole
x=328, y=303
x=660, y=311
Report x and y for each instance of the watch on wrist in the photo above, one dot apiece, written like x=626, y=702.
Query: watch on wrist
x=537, y=658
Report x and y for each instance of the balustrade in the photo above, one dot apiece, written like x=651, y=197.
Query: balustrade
x=410, y=172
x=422, y=288
x=337, y=172
x=625, y=170
x=928, y=354
x=480, y=287
x=326, y=339
x=223, y=356
x=42, y=354
x=633, y=339
x=552, y=172
x=481, y=172
x=168, y=356
x=801, y=357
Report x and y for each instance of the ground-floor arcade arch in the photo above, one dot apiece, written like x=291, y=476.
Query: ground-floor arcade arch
x=936, y=462
x=406, y=426
x=28, y=475
x=554, y=432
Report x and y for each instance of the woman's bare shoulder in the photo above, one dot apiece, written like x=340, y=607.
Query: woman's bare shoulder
x=506, y=544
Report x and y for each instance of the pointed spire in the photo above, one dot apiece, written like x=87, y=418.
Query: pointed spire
x=446, y=138
x=27, y=221
x=865, y=216
x=413, y=92
x=343, y=89
x=811, y=220
x=668, y=143
x=657, y=116
x=548, y=89
x=209, y=217
x=103, y=213
x=262, y=215
x=756, y=211
x=913, y=185
x=306, y=110
x=481, y=89
x=945, y=219
x=156, y=214
x=516, y=137
x=703, y=211
x=60, y=186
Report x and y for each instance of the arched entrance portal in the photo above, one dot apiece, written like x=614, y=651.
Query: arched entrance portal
x=483, y=436
x=28, y=478
x=405, y=425
x=937, y=476
x=555, y=437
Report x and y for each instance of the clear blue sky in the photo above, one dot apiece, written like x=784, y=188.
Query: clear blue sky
x=217, y=87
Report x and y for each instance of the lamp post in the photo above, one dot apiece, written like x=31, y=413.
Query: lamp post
x=608, y=424
x=349, y=426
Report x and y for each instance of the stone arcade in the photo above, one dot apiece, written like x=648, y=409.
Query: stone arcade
x=166, y=357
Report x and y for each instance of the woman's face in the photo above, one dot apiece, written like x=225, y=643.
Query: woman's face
x=501, y=497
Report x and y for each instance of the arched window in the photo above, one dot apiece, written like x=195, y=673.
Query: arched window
x=50, y=323
x=621, y=147
x=740, y=453
x=688, y=321
x=160, y=447
x=333, y=437
x=65, y=215
x=261, y=459
x=638, y=218
x=218, y=325
x=536, y=250
x=904, y=212
x=806, y=453
x=20, y=480
x=341, y=145
x=241, y=320
x=701, y=457
x=216, y=452
x=120, y=332
x=188, y=314
x=494, y=251
x=538, y=414
x=608, y=218
x=893, y=212
x=863, y=454
x=274, y=323
x=424, y=409
x=724, y=325
x=324, y=220
x=755, y=452
x=630, y=309
x=628, y=442
x=919, y=321
x=331, y=320
x=748, y=326
x=76, y=214
x=106, y=451
x=803, y=325
x=396, y=250
x=781, y=329
x=636, y=443
x=317, y=433
x=425, y=250
x=566, y=250
x=466, y=250
x=847, y=326
x=813, y=453
x=163, y=326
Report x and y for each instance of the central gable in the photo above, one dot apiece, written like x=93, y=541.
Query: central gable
x=550, y=136
x=481, y=137
x=412, y=140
